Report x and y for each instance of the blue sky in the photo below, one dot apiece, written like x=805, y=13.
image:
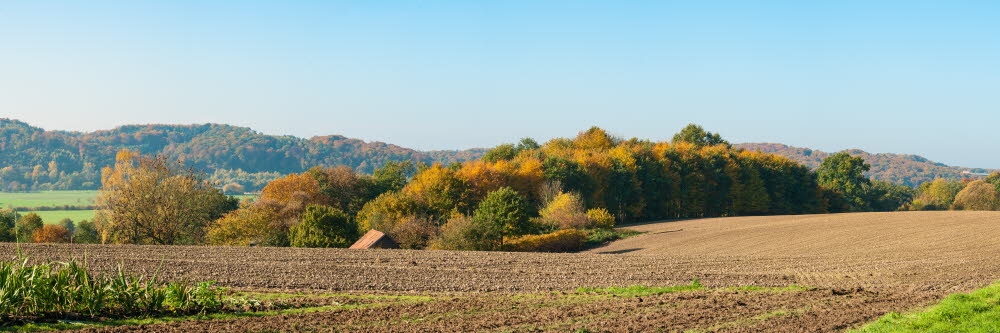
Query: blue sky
x=918, y=77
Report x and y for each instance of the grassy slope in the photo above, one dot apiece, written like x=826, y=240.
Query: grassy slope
x=978, y=311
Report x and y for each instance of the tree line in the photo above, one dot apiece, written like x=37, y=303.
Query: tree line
x=527, y=196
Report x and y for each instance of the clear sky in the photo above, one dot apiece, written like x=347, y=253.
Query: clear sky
x=919, y=77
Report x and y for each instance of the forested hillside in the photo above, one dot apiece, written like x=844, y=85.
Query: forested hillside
x=35, y=159
x=910, y=170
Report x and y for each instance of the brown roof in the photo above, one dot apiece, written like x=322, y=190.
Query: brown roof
x=374, y=239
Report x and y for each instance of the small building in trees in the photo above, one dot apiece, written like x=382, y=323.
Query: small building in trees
x=374, y=239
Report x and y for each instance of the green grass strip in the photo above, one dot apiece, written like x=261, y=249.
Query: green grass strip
x=978, y=311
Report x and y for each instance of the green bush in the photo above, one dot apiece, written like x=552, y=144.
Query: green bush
x=86, y=233
x=503, y=213
x=323, y=226
x=459, y=233
x=26, y=227
x=8, y=221
x=599, y=237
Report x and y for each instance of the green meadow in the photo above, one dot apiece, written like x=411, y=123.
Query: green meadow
x=58, y=199
x=47, y=199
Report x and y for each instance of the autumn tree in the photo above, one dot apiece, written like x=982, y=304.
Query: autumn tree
x=993, y=179
x=257, y=224
x=601, y=218
x=937, y=195
x=698, y=136
x=978, y=195
x=565, y=211
x=297, y=186
x=152, y=200
x=51, y=234
x=440, y=190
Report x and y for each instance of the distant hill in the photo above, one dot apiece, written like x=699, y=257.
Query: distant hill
x=911, y=170
x=35, y=159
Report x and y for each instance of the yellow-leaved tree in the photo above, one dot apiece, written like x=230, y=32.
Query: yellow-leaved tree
x=152, y=200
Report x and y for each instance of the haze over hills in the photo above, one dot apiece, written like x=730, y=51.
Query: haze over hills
x=910, y=170
x=31, y=157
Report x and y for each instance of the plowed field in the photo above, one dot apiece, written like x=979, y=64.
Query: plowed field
x=852, y=268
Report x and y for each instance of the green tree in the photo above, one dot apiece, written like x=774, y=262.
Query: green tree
x=68, y=224
x=86, y=233
x=502, y=213
x=502, y=152
x=27, y=225
x=323, y=226
x=527, y=144
x=392, y=176
x=698, y=136
x=8, y=221
x=567, y=173
x=886, y=197
x=845, y=174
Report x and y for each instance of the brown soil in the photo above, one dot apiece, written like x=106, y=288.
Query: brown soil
x=862, y=264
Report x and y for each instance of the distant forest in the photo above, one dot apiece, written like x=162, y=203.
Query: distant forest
x=33, y=159
x=909, y=170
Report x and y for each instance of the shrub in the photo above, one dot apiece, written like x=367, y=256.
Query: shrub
x=414, y=232
x=503, y=213
x=323, y=226
x=51, y=234
x=599, y=237
x=86, y=233
x=27, y=225
x=978, y=195
x=601, y=218
x=560, y=241
x=459, y=233
x=387, y=210
x=565, y=211
x=257, y=224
